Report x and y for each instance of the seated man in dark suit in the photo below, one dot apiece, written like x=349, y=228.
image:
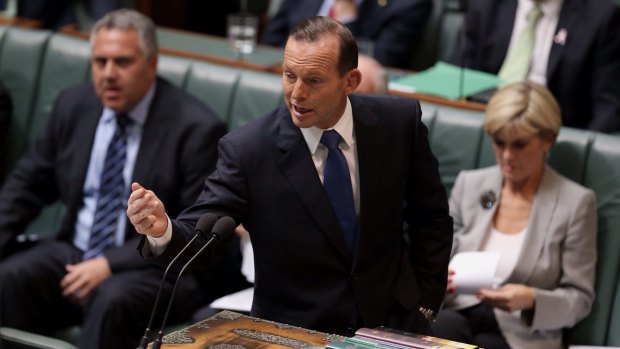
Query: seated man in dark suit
x=339, y=192
x=573, y=49
x=393, y=27
x=128, y=125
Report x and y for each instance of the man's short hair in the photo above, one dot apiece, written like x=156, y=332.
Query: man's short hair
x=314, y=28
x=127, y=19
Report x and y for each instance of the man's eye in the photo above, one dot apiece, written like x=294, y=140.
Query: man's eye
x=123, y=62
x=100, y=61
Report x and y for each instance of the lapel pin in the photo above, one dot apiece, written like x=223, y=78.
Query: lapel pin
x=487, y=199
x=560, y=37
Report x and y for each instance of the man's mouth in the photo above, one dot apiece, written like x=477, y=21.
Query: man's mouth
x=300, y=110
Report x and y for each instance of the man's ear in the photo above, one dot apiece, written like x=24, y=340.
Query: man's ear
x=353, y=79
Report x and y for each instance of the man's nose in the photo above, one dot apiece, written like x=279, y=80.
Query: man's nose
x=299, y=90
x=109, y=69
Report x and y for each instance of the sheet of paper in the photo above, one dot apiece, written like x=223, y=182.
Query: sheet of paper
x=239, y=301
x=473, y=271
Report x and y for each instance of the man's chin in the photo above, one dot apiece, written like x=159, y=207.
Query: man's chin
x=114, y=105
x=301, y=123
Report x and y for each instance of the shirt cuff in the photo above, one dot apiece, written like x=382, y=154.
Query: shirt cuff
x=156, y=246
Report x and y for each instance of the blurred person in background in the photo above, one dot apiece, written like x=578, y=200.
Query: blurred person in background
x=391, y=28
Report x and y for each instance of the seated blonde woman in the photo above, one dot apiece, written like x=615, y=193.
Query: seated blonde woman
x=542, y=225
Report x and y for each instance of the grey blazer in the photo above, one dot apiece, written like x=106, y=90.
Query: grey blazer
x=558, y=257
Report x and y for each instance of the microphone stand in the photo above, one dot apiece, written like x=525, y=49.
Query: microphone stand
x=462, y=7
x=224, y=226
x=147, y=333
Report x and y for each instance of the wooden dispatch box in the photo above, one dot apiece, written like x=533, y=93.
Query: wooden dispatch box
x=230, y=330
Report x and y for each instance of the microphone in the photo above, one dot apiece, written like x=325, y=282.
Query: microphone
x=204, y=225
x=222, y=230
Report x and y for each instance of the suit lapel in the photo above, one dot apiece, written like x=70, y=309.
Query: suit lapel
x=296, y=164
x=484, y=216
x=86, y=123
x=371, y=145
x=568, y=15
x=498, y=38
x=538, y=228
x=153, y=137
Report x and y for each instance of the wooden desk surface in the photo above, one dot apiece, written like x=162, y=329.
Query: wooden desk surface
x=20, y=22
x=460, y=103
x=228, y=329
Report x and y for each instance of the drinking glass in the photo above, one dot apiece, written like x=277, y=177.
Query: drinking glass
x=241, y=31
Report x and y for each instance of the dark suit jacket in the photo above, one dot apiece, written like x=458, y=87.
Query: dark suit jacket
x=394, y=28
x=178, y=150
x=6, y=106
x=305, y=274
x=6, y=112
x=582, y=74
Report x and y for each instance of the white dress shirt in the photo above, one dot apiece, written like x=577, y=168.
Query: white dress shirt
x=103, y=135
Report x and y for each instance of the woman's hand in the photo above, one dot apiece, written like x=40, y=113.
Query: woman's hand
x=510, y=297
x=450, y=288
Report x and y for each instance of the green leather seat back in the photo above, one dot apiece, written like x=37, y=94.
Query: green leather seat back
x=463, y=130
x=215, y=85
x=569, y=154
x=602, y=174
x=66, y=63
x=47, y=224
x=486, y=157
x=20, y=65
x=257, y=94
x=173, y=69
x=3, y=29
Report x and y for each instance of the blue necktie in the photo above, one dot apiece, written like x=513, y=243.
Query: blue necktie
x=337, y=183
x=111, y=193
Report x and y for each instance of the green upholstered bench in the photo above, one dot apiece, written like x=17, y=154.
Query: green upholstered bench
x=36, y=64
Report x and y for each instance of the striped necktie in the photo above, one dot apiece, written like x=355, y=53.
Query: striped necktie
x=111, y=193
x=517, y=63
x=337, y=184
